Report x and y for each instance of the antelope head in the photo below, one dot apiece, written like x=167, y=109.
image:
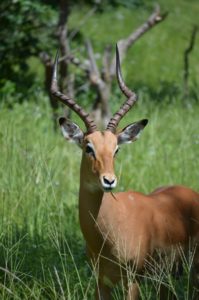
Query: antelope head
x=99, y=147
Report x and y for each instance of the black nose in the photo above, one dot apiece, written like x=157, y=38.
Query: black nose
x=107, y=181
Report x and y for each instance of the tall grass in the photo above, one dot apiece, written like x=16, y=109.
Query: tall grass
x=42, y=249
x=42, y=253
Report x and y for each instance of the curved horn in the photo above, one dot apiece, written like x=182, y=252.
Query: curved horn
x=89, y=123
x=131, y=97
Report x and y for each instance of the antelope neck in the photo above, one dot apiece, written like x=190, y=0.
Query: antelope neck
x=90, y=199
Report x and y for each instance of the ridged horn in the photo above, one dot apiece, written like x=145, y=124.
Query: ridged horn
x=88, y=121
x=131, y=97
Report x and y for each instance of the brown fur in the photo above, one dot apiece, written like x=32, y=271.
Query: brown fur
x=130, y=226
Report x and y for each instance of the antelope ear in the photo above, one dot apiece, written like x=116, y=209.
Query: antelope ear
x=131, y=132
x=71, y=131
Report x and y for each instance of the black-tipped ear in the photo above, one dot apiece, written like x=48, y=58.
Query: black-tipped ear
x=71, y=131
x=131, y=132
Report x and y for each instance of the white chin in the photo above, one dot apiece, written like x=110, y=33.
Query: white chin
x=108, y=188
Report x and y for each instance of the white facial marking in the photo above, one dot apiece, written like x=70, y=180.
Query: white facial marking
x=108, y=186
x=90, y=149
x=116, y=149
x=91, y=146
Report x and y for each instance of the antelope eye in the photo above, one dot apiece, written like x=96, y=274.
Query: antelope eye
x=89, y=150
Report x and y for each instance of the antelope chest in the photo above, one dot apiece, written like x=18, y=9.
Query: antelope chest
x=117, y=227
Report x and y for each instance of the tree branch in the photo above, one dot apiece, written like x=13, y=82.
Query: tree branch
x=62, y=28
x=94, y=73
x=102, y=89
x=124, y=44
x=106, y=63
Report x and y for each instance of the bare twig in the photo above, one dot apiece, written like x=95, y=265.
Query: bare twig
x=101, y=111
x=94, y=74
x=107, y=63
x=124, y=44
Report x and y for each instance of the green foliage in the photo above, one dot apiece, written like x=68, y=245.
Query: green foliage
x=42, y=250
x=26, y=29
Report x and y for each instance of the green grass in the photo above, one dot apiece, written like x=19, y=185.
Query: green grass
x=42, y=250
x=41, y=246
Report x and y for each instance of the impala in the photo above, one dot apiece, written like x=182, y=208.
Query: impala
x=125, y=228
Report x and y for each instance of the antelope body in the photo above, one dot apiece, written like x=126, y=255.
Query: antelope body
x=125, y=228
